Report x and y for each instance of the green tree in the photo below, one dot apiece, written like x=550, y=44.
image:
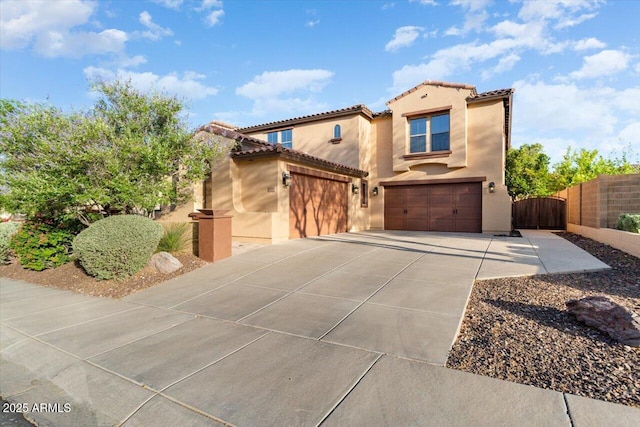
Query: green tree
x=527, y=172
x=583, y=165
x=130, y=152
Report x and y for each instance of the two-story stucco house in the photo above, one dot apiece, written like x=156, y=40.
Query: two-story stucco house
x=433, y=161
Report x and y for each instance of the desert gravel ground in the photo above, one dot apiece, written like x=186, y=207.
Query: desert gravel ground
x=518, y=329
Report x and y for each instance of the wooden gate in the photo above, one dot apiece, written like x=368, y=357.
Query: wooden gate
x=540, y=213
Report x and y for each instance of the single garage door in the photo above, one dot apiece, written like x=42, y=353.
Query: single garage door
x=436, y=207
x=317, y=206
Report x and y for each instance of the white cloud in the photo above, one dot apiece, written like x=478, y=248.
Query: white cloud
x=551, y=107
x=214, y=17
x=590, y=43
x=189, y=85
x=557, y=10
x=22, y=22
x=388, y=5
x=54, y=44
x=471, y=5
x=275, y=83
x=630, y=135
x=637, y=67
x=209, y=4
x=425, y=2
x=171, y=4
x=603, y=63
x=312, y=24
x=570, y=22
x=506, y=63
x=532, y=30
x=567, y=114
x=289, y=91
x=124, y=61
x=154, y=31
x=403, y=37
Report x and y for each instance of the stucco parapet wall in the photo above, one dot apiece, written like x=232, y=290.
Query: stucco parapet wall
x=277, y=150
x=355, y=109
x=435, y=83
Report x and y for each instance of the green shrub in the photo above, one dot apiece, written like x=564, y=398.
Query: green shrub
x=629, y=222
x=42, y=244
x=118, y=246
x=7, y=230
x=176, y=238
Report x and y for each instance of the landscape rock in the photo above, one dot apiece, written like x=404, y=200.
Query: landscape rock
x=164, y=262
x=602, y=313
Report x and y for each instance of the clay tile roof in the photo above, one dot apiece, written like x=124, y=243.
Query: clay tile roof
x=231, y=134
x=354, y=109
x=384, y=113
x=263, y=148
x=435, y=83
x=492, y=94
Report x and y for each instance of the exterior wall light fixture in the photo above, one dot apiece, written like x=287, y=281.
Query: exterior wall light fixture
x=355, y=189
x=286, y=179
x=492, y=187
x=374, y=191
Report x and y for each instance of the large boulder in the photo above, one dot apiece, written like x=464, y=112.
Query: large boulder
x=164, y=262
x=602, y=313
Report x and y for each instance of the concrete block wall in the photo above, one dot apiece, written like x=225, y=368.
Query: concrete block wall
x=573, y=204
x=598, y=203
x=623, y=196
x=590, y=206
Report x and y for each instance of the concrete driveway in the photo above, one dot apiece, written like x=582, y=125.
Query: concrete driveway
x=349, y=329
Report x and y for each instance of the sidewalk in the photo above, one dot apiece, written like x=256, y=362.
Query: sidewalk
x=351, y=329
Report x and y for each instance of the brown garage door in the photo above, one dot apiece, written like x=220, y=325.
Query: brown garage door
x=317, y=206
x=436, y=207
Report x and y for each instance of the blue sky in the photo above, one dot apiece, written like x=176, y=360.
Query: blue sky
x=575, y=65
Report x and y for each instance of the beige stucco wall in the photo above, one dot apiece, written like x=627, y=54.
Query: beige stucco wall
x=313, y=138
x=477, y=149
x=430, y=97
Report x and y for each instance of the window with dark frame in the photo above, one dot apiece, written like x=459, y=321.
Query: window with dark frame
x=429, y=134
x=284, y=137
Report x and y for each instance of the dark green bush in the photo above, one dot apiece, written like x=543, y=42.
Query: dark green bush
x=41, y=243
x=118, y=246
x=629, y=222
x=7, y=230
x=176, y=238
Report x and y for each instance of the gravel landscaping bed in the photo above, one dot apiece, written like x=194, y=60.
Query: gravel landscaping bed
x=518, y=329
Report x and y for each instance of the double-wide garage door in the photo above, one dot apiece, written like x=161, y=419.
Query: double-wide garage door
x=317, y=206
x=435, y=207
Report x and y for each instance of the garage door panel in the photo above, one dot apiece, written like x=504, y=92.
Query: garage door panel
x=317, y=206
x=420, y=201
x=437, y=207
x=441, y=224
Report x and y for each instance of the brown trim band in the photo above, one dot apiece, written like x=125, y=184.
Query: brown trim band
x=426, y=112
x=318, y=174
x=433, y=181
x=429, y=155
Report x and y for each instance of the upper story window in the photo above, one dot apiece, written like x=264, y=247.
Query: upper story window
x=337, y=132
x=428, y=134
x=284, y=137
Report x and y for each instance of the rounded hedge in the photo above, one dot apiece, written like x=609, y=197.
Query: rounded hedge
x=118, y=246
